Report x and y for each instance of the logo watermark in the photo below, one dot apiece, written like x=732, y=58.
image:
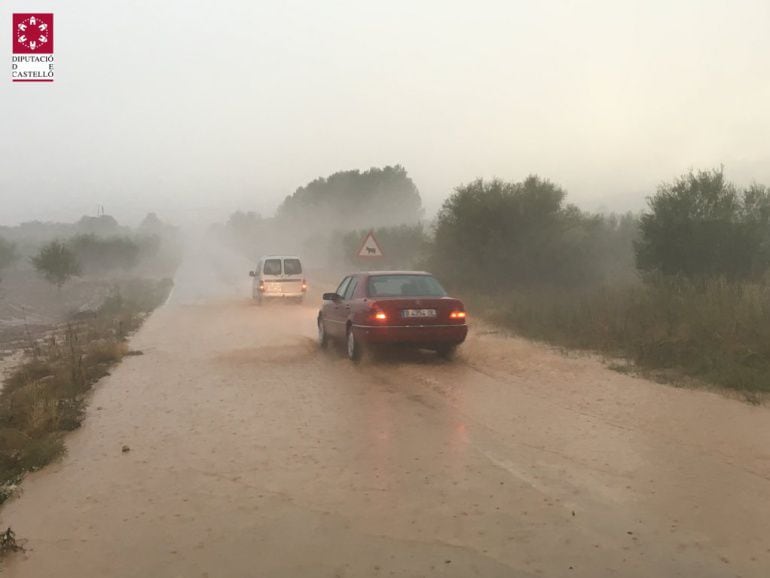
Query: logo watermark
x=32, y=59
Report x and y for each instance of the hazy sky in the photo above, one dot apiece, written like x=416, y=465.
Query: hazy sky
x=189, y=108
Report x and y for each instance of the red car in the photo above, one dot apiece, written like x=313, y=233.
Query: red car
x=392, y=307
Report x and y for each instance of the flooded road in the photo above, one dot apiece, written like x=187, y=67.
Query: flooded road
x=254, y=454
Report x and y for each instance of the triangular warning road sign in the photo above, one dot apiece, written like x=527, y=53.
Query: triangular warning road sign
x=370, y=247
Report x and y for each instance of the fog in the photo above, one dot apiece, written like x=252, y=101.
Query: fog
x=195, y=110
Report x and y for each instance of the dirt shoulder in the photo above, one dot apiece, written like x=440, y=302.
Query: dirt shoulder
x=46, y=379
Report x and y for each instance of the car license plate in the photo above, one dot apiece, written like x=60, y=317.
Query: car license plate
x=419, y=313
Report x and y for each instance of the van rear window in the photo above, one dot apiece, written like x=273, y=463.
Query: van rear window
x=292, y=267
x=272, y=267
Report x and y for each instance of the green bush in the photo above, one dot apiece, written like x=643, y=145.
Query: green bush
x=507, y=235
x=702, y=226
x=101, y=254
x=57, y=263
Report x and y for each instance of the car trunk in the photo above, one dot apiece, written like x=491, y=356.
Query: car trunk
x=411, y=311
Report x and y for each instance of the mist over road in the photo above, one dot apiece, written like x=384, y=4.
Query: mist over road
x=252, y=453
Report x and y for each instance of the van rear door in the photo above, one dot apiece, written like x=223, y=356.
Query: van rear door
x=292, y=276
x=272, y=273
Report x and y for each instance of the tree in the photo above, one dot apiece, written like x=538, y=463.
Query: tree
x=499, y=235
x=248, y=232
x=494, y=232
x=702, y=226
x=151, y=224
x=99, y=254
x=354, y=199
x=7, y=253
x=57, y=263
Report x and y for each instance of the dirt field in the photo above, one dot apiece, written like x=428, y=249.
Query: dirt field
x=252, y=453
x=30, y=306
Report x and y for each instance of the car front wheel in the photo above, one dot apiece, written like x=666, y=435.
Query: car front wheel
x=323, y=338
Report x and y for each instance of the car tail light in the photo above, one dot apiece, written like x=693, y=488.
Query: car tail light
x=261, y=285
x=304, y=285
x=378, y=314
x=457, y=315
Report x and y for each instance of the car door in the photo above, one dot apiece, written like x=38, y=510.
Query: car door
x=346, y=306
x=334, y=312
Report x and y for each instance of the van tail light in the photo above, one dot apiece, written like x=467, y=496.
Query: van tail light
x=304, y=285
x=457, y=315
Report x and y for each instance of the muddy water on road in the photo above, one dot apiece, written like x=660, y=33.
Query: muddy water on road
x=252, y=453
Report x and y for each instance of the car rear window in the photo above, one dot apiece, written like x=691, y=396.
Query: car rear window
x=292, y=267
x=272, y=267
x=404, y=286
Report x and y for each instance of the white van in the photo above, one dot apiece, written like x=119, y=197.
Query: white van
x=278, y=276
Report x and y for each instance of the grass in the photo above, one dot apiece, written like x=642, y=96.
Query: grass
x=45, y=396
x=8, y=542
x=717, y=331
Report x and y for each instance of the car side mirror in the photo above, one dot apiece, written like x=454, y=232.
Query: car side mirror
x=331, y=297
x=252, y=274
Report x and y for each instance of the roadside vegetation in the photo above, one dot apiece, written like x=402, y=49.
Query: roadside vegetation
x=88, y=254
x=8, y=255
x=45, y=396
x=717, y=332
x=81, y=329
x=679, y=291
x=57, y=263
x=92, y=246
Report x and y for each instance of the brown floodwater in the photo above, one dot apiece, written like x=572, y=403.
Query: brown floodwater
x=252, y=453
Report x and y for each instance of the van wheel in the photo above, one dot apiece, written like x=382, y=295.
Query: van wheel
x=323, y=338
x=354, y=346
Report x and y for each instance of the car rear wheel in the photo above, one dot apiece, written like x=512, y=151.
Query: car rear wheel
x=354, y=346
x=447, y=351
x=323, y=338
